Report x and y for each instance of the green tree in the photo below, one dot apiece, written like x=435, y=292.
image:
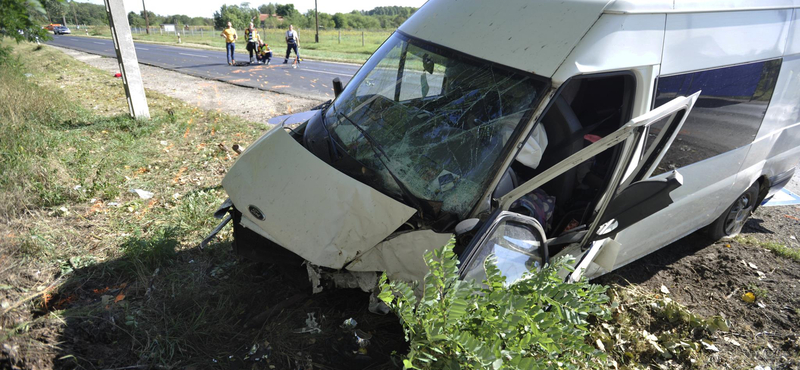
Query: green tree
x=18, y=20
x=135, y=20
x=287, y=10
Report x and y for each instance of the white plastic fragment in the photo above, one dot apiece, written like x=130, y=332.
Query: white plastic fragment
x=143, y=194
x=664, y=289
x=732, y=341
x=709, y=346
x=752, y=266
x=163, y=142
x=312, y=326
x=759, y=367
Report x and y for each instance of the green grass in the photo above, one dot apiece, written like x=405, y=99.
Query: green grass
x=70, y=154
x=777, y=248
x=334, y=45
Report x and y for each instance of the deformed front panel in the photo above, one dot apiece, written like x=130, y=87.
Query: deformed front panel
x=307, y=206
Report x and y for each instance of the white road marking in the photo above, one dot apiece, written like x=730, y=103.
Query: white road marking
x=193, y=55
x=326, y=72
x=143, y=49
x=99, y=43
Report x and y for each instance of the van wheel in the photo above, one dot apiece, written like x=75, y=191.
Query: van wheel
x=730, y=223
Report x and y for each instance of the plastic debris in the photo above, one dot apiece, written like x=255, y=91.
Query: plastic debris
x=752, y=266
x=144, y=194
x=362, y=338
x=709, y=346
x=761, y=305
x=29, y=75
x=113, y=204
x=759, y=367
x=664, y=289
x=118, y=75
x=312, y=326
x=749, y=297
x=377, y=306
x=349, y=324
x=732, y=341
x=163, y=142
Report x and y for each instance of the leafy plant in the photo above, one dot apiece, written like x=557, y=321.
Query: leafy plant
x=538, y=322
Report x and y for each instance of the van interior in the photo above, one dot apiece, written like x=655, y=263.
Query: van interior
x=585, y=110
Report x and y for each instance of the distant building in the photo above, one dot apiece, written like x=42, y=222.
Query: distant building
x=262, y=19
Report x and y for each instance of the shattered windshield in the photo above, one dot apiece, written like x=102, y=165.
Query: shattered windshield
x=440, y=121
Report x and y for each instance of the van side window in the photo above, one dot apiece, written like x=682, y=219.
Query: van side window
x=727, y=115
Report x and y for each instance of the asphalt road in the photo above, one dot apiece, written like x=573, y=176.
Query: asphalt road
x=310, y=79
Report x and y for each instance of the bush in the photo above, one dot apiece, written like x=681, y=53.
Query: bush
x=538, y=322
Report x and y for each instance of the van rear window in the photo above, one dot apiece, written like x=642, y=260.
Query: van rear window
x=727, y=114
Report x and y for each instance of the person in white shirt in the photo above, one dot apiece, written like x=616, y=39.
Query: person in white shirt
x=292, y=40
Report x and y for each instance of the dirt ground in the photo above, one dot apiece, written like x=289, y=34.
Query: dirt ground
x=251, y=104
x=710, y=278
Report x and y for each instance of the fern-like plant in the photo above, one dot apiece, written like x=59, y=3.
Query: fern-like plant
x=537, y=322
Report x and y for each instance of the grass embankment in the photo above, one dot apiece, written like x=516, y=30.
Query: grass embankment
x=92, y=275
x=345, y=48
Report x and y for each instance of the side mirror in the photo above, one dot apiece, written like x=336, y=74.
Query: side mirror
x=337, y=87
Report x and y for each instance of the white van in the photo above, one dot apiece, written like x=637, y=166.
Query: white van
x=531, y=129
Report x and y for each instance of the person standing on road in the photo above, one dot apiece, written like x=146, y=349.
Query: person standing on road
x=230, y=43
x=292, y=40
x=251, y=35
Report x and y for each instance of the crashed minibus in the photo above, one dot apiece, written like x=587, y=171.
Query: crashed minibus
x=599, y=129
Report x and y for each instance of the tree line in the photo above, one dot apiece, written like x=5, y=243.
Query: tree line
x=379, y=17
x=71, y=12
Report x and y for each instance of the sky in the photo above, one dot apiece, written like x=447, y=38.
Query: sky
x=206, y=8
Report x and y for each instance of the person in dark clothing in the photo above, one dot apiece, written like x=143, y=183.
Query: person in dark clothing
x=251, y=35
x=292, y=40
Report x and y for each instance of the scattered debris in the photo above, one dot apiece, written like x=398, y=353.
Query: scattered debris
x=28, y=75
x=709, y=346
x=163, y=142
x=117, y=75
x=238, y=149
x=664, y=289
x=749, y=297
x=732, y=341
x=143, y=194
x=312, y=326
x=362, y=338
x=349, y=324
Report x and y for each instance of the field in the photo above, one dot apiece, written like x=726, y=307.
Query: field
x=334, y=45
x=94, y=276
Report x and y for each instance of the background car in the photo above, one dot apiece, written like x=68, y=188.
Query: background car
x=61, y=30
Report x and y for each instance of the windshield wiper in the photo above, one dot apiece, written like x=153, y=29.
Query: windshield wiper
x=422, y=207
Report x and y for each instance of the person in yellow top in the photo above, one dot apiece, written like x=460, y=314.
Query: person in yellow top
x=251, y=35
x=230, y=43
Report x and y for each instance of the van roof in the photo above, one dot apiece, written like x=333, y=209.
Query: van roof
x=536, y=36
x=695, y=6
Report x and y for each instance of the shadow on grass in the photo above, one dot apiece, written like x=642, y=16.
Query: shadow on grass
x=160, y=308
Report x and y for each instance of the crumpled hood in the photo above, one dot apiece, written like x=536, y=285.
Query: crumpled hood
x=296, y=200
x=292, y=119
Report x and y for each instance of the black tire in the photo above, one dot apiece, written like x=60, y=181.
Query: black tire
x=730, y=223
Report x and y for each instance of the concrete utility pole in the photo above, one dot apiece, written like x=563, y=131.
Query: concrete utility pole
x=146, y=21
x=316, y=18
x=126, y=55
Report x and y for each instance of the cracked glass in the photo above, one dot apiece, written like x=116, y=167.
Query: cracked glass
x=435, y=121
